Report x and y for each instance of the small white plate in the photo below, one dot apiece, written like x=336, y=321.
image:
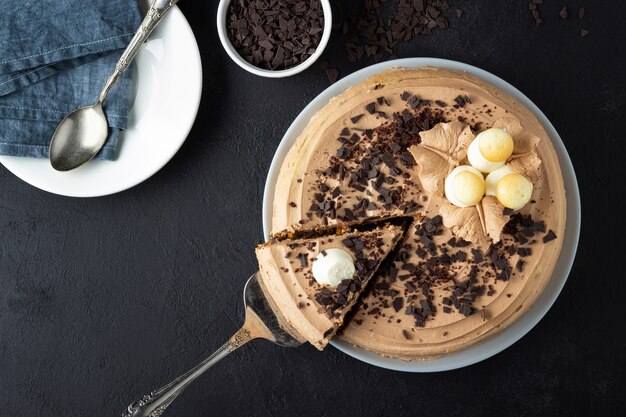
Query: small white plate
x=167, y=84
x=570, y=241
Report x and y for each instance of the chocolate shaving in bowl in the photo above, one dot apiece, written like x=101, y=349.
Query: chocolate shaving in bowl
x=275, y=34
x=549, y=236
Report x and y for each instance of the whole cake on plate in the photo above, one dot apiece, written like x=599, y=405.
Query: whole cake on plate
x=467, y=172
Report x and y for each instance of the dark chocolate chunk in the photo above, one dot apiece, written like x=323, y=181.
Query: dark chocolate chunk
x=332, y=74
x=549, y=236
x=398, y=303
x=478, y=255
x=356, y=118
x=414, y=102
x=460, y=101
x=505, y=274
x=278, y=35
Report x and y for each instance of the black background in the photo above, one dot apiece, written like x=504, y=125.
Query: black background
x=103, y=299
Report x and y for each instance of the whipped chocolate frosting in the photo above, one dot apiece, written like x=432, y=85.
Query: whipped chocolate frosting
x=382, y=149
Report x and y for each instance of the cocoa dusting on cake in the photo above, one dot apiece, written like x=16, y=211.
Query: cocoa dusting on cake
x=461, y=101
x=533, y=7
x=377, y=29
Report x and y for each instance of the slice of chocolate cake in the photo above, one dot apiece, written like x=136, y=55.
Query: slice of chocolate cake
x=313, y=283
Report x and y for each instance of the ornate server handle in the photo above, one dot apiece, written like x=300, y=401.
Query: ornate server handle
x=155, y=403
x=158, y=9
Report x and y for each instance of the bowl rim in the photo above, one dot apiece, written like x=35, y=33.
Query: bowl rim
x=222, y=13
x=523, y=324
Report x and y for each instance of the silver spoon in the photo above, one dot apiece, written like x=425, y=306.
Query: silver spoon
x=82, y=133
x=261, y=323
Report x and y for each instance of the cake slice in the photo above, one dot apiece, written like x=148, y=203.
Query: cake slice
x=313, y=283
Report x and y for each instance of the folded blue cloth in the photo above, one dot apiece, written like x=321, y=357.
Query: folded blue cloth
x=55, y=55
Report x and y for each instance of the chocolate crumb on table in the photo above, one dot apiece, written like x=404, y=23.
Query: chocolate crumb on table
x=549, y=236
x=534, y=5
x=381, y=26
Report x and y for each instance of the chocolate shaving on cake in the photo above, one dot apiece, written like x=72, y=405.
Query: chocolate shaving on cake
x=549, y=236
x=355, y=119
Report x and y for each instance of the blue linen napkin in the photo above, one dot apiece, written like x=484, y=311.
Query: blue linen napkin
x=55, y=55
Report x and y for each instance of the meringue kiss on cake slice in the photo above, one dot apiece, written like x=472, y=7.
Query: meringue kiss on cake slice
x=311, y=284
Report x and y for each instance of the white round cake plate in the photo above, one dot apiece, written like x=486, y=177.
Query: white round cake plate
x=166, y=90
x=570, y=241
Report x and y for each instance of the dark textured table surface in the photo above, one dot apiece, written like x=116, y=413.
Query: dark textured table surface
x=103, y=299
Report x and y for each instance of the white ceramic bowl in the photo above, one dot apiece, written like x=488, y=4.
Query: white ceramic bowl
x=222, y=14
x=570, y=241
